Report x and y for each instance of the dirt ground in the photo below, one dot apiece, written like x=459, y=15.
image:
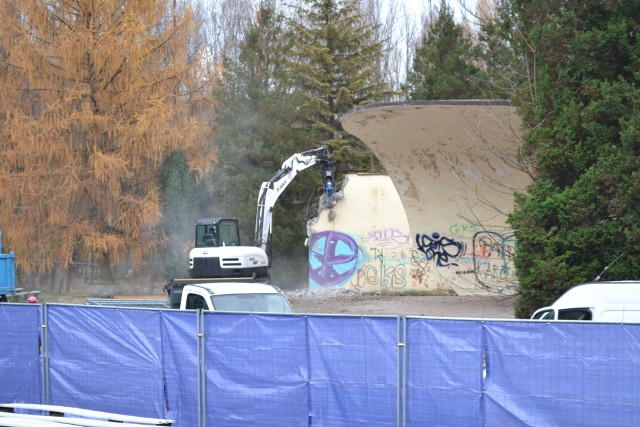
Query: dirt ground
x=353, y=303
x=476, y=307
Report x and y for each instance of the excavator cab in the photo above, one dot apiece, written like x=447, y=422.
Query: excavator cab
x=217, y=232
x=218, y=252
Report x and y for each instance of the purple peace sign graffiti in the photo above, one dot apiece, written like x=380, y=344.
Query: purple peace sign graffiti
x=334, y=258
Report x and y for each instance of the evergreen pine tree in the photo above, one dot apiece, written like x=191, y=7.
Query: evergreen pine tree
x=333, y=64
x=443, y=66
x=504, y=54
x=582, y=211
x=260, y=126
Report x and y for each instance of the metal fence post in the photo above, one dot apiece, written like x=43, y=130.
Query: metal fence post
x=44, y=353
x=401, y=361
x=404, y=372
x=202, y=373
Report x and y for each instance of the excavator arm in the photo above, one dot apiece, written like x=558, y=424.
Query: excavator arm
x=272, y=189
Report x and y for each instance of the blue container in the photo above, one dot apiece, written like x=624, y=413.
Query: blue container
x=7, y=272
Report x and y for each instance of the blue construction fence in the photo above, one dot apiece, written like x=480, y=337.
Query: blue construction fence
x=218, y=369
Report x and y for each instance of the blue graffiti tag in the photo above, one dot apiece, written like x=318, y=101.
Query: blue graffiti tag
x=440, y=248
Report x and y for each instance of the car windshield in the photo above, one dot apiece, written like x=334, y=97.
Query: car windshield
x=252, y=303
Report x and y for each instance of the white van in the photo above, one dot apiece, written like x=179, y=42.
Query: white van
x=609, y=302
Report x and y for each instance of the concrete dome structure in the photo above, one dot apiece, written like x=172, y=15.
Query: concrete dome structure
x=453, y=173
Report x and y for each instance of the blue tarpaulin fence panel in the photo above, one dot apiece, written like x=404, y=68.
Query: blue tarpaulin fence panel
x=354, y=371
x=106, y=359
x=562, y=374
x=20, y=368
x=246, y=370
x=256, y=370
x=444, y=372
x=179, y=353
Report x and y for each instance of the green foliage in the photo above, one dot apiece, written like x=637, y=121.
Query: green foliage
x=508, y=63
x=179, y=205
x=282, y=96
x=443, y=66
x=333, y=64
x=583, y=208
x=260, y=125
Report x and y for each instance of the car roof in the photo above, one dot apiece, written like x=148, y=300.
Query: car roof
x=234, y=288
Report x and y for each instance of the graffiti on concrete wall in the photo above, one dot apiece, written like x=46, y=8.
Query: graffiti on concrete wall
x=334, y=258
x=443, y=250
x=462, y=229
x=386, y=260
x=390, y=277
x=383, y=268
x=389, y=236
x=493, y=256
x=375, y=260
x=420, y=268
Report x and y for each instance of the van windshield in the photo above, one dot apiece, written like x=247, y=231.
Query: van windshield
x=252, y=303
x=544, y=315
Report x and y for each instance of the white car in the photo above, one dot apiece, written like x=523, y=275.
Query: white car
x=229, y=296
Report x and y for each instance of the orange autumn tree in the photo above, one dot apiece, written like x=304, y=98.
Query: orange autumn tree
x=93, y=96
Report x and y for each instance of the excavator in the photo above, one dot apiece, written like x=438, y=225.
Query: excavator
x=218, y=252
